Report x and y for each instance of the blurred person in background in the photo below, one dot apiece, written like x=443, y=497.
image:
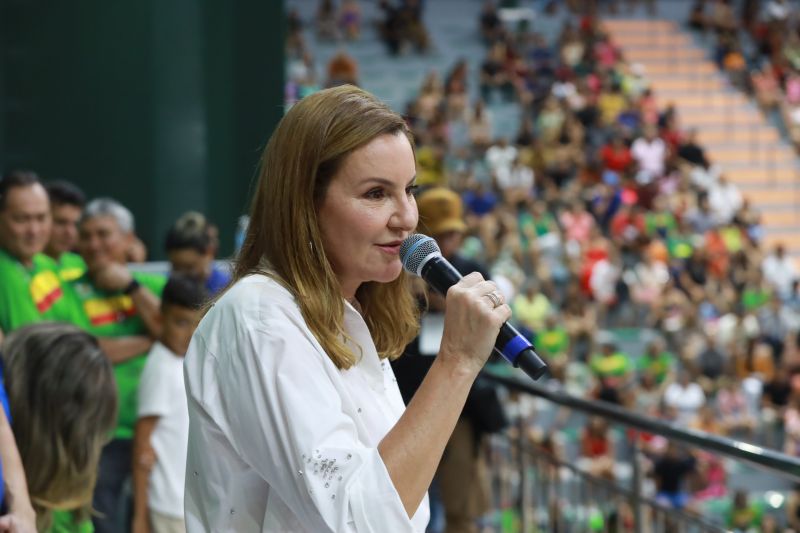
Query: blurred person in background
x=162, y=430
x=190, y=253
x=66, y=206
x=31, y=288
x=123, y=306
x=63, y=403
x=16, y=511
x=461, y=478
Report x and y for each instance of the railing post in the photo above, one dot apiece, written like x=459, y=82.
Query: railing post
x=524, y=510
x=638, y=522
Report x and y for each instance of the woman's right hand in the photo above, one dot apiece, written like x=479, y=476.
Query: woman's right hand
x=472, y=322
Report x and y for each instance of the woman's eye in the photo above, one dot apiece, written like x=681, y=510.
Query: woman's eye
x=375, y=194
x=412, y=189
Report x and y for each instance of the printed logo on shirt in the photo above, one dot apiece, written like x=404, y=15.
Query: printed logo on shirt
x=109, y=310
x=45, y=290
x=71, y=274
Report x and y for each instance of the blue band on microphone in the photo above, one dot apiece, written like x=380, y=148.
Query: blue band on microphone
x=514, y=347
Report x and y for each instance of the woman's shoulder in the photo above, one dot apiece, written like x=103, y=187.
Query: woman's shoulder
x=253, y=301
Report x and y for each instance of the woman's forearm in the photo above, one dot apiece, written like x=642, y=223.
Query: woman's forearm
x=19, y=502
x=413, y=448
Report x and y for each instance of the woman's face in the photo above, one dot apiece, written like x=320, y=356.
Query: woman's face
x=367, y=212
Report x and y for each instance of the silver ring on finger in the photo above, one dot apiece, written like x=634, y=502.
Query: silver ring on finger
x=496, y=298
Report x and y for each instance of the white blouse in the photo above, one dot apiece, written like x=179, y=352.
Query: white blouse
x=279, y=438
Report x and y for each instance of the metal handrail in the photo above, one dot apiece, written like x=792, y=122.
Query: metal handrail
x=772, y=460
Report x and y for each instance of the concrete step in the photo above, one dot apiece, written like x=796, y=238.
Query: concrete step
x=789, y=238
x=764, y=176
x=669, y=87
x=641, y=55
x=650, y=40
x=781, y=218
x=636, y=25
x=751, y=136
x=714, y=100
x=768, y=198
x=684, y=69
x=775, y=156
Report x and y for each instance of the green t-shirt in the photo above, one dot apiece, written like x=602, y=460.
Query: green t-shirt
x=71, y=266
x=114, y=315
x=680, y=246
x=553, y=342
x=64, y=522
x=752, y=299
x=615, y=365
x=659, y=365
x=35, y=294
x=653, y=222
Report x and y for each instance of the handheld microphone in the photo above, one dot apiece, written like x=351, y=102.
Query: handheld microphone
x=421, y=256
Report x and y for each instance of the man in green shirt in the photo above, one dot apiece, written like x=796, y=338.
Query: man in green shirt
x=30, y=287
x=116, y=304
x=66, y=206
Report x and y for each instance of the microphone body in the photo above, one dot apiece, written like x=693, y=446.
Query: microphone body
x=441, y=275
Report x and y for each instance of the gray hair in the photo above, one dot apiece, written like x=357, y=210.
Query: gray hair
x=109, y=207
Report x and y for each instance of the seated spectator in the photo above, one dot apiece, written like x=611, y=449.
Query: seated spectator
x=670, y=472
x=515, y=182
x=612, y=366
x=493, y=75
x=616, y=155
x=31, y=289
x=734, y=410
x=597, y=449
x=501, y=156
x=350, y=19
x=657, y=361
x=649, y=152
x=725, y=200
x=779, y=270
x=342, y=70
x=116, y=303
x=490, y=23
x=63, y=402
x=66, y=207
x=691, y=151
x=162, y=430
x=745, y=515
x=766, y=84
x=479, y=126
x=531, y=307
x=685, y=396
x=775, y=325
x=189, y=251
x=326, y=21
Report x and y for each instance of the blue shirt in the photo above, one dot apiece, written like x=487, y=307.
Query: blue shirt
x=4, y=402
x=217, y=281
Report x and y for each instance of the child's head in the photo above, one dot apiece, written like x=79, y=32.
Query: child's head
x=181, y=304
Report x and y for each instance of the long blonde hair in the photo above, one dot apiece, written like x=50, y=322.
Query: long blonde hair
x=63, y=402
x=306, y=150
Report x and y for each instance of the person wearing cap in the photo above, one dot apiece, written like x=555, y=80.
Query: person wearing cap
x=462, y=476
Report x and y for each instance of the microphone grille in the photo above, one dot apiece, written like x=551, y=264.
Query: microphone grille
x=415, y=250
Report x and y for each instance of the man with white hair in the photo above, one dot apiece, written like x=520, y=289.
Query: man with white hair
x=116, y=303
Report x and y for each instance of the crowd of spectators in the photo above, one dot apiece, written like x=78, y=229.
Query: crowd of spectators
x=758, y=48
x=604, y=220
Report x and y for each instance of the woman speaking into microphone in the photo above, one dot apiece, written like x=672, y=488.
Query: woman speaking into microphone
x=296, y=420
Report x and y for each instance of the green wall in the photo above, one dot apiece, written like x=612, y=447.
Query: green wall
x=163, y=105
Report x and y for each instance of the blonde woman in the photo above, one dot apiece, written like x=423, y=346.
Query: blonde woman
x=296, y=420
x=63, y=403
